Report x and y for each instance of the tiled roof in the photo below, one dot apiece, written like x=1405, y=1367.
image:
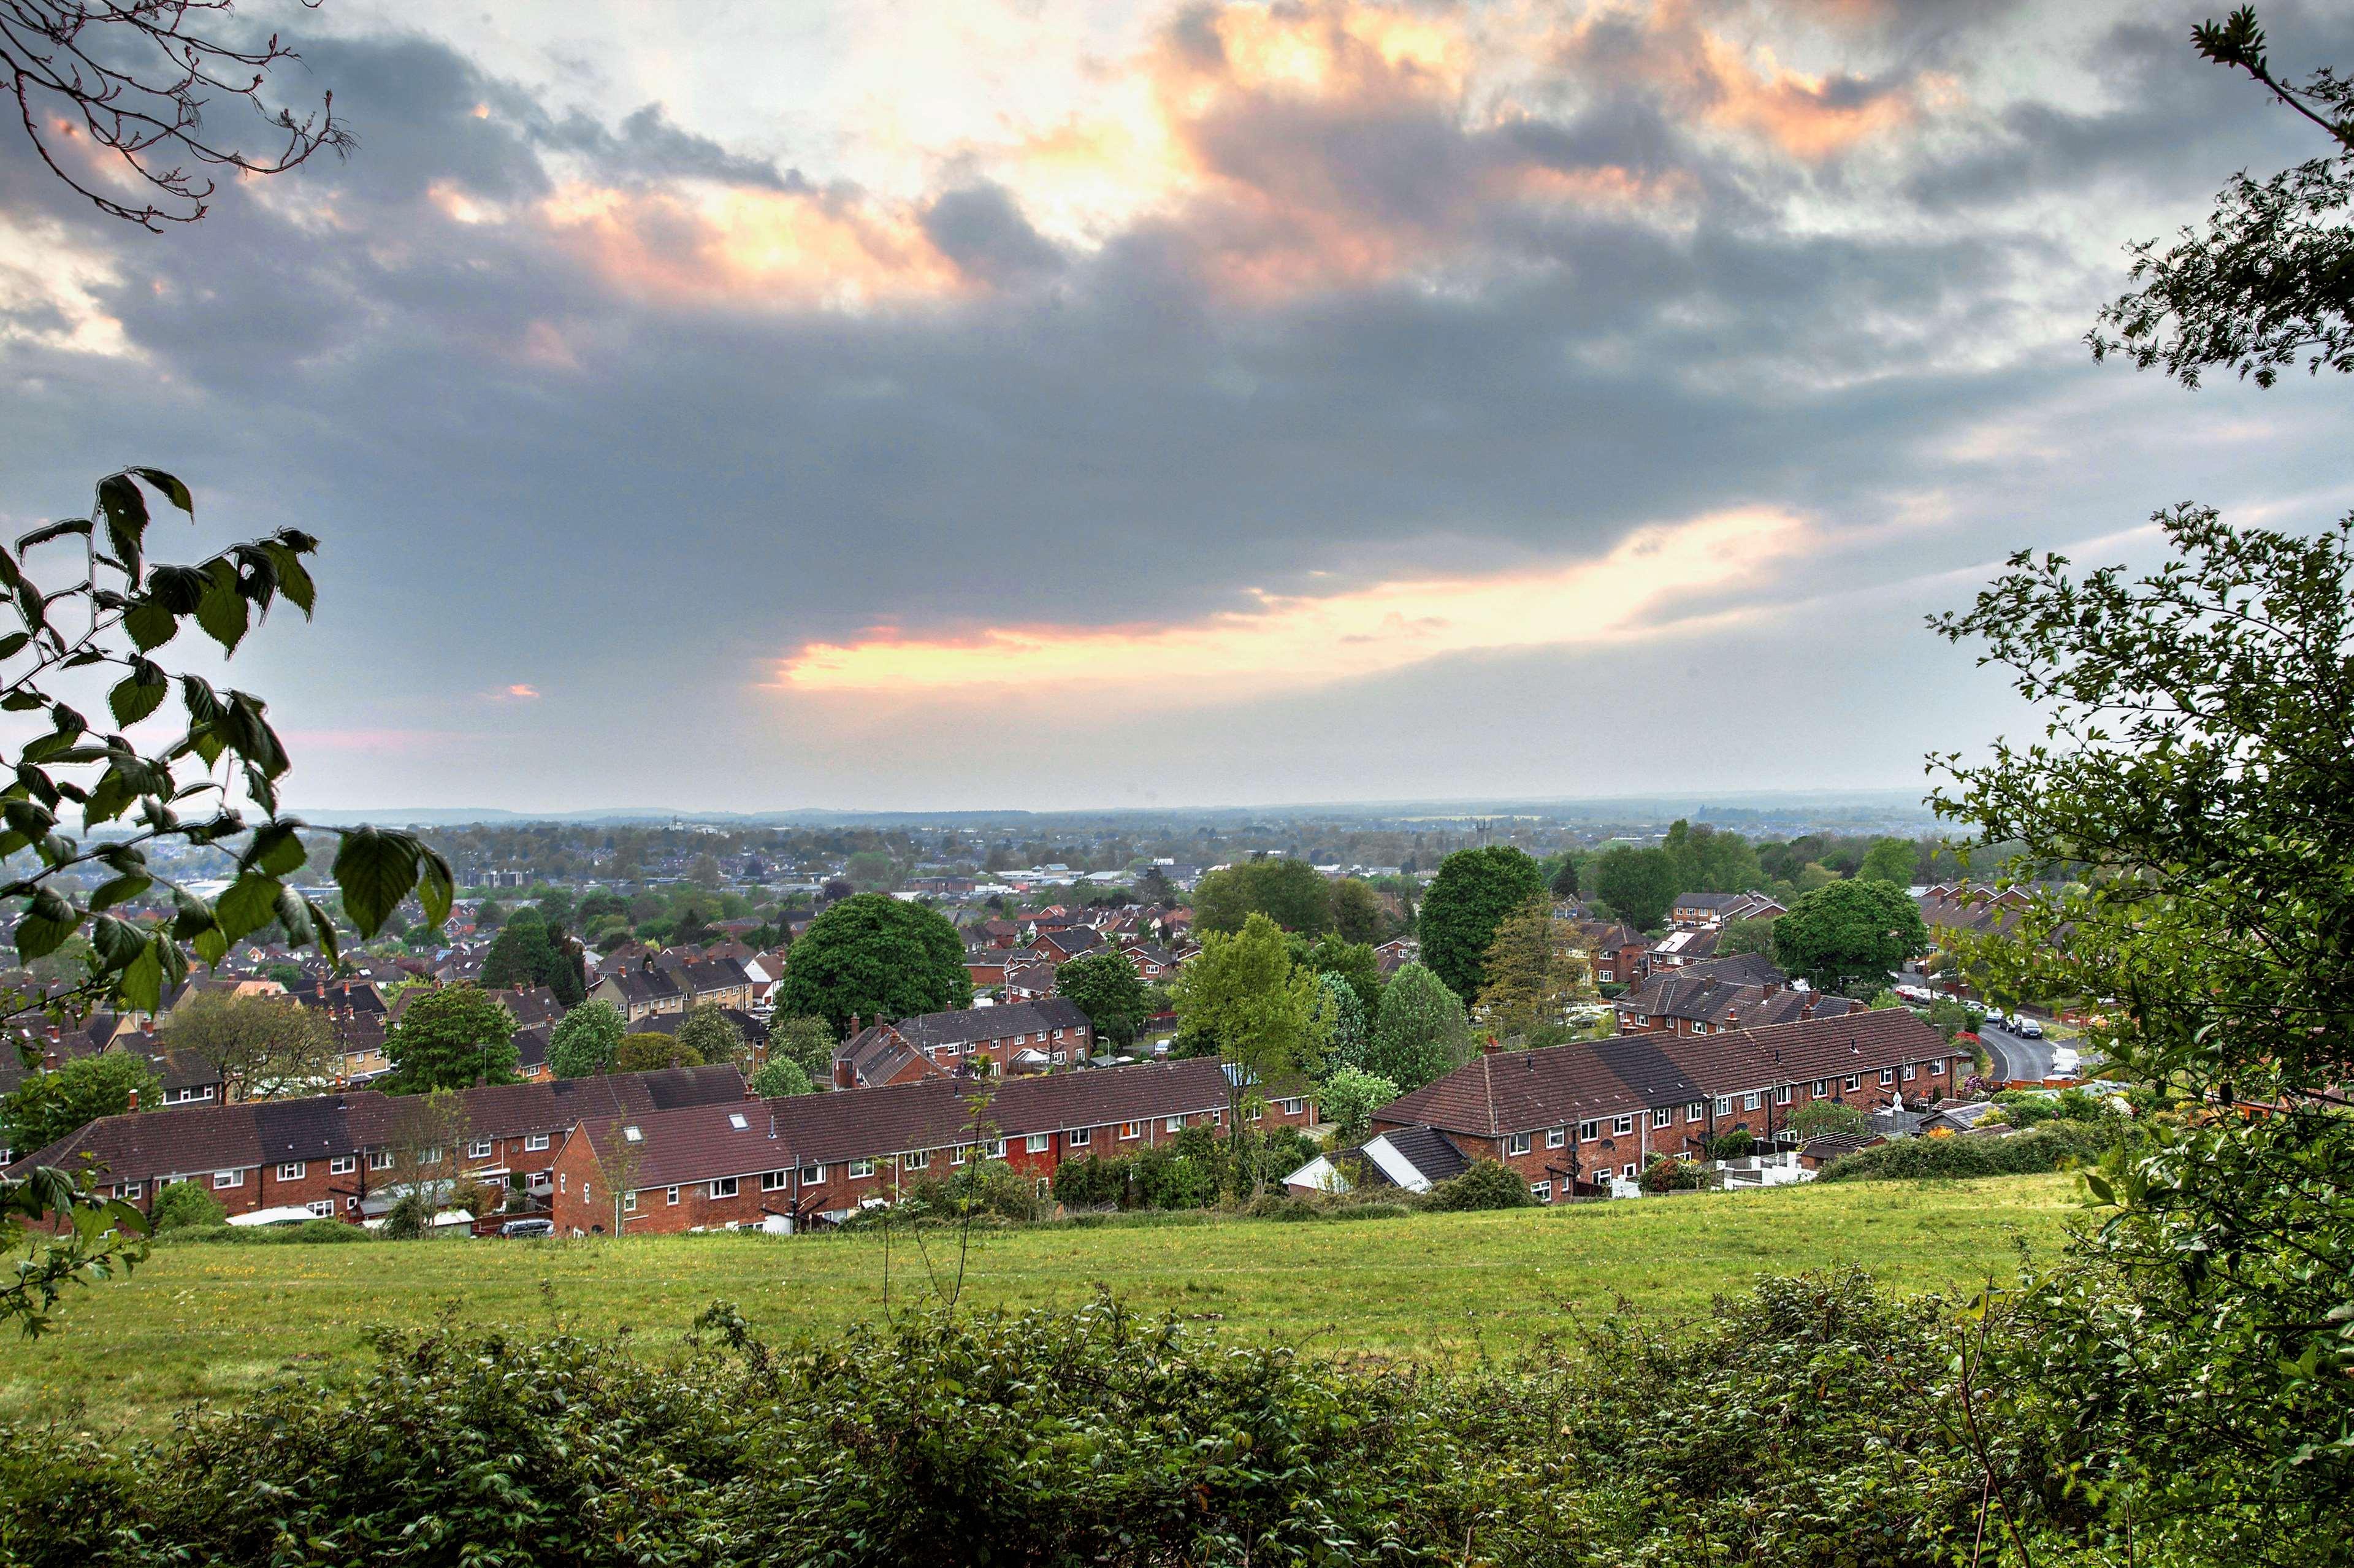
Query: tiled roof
x=703, y=1142
x=1427, y=1150
x=931, y=1030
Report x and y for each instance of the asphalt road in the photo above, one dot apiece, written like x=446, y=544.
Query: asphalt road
x=2014, y=1057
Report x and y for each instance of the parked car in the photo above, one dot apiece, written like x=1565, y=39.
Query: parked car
x=2028, y=1028
x=2065, y=1063
x=528, y=1228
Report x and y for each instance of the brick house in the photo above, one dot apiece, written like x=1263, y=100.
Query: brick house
x=640, y=990
x=1723, y=995
x=333, y=1153
x=1021, y=1037
x=1618, y=954
x=784, y=1162
x=1566, y=1116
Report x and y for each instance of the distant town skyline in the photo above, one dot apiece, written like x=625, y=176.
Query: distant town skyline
x=1083, y=405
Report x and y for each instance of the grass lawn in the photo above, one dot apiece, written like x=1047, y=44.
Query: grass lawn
x=212, y=1322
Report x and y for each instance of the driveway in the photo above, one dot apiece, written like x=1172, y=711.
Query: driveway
x=2015, y=1058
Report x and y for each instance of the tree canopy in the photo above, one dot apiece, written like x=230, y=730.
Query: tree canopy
x=1532, y=976
x=584, y=1040
x=1849, y=935
x=1475, y=890
x=1291, y=893
x=712, y=1036
x=1242, y=994
x=1637, y=885
x=1106, y=986
x=262, y=1047
x=51, y=1105
x=453, y=1037
x=875, y=957
x=1422, y=1033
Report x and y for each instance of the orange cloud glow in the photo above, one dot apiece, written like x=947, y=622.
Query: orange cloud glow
x=1296, y=640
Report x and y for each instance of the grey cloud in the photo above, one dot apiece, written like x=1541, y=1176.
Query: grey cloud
x=982, y=229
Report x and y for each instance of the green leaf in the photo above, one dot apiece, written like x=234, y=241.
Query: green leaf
x=276, y=849
x=249, y=904
x=293, y=580
x=151, y=625
x=138, y=693
x=13, y=643
x=435, y=889
x=376, y=870
x=323, y=931
x=222, y=611
x=118, y=941
x=212, y=944
x=120, y=890
x=293, y=913
x=126, y=519
x=44, y=928
x=174, y=491
x=49, y=531
x=140, y=986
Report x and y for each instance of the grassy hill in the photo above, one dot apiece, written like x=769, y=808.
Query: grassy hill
x=212, y=1321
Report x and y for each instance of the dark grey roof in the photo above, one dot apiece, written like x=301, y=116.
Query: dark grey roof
x=1643, y=1068
x=1426, y=1149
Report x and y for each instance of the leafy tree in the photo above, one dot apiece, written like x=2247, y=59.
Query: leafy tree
x=1421, y=1033
x=712, y=1036
x=554, y=906
x=1351, y=1097
x=1565, y=878
x=875, y=957
x=1353, y=963
x=1357, y=912
x=1949, y=1017
x=780, y=1077
x=1890, y=860
x=652, y=1054
x=1848, y=932
x=1241, y=993
x=872, y=870
x=584, y=1039
x=1487, y=1185
x=703, y=872
x=1702, y=860
x=603, y=904
x=262, y=1047
x=1346, y=1041
x=1738, y=1144
x=1475, y=890
x=522, y=956
x=453, y=1037
x=1532, y=975
x=490, y=915
x=185, y=1205
x=808, y=1042
x=1155, y=889
x=1637, y=885
x=1817, y=1118
x=50, y=1106
x=285, y=974
x=1289, y=892
x=1754, y=935
x=692, y=928
x=1105, y=986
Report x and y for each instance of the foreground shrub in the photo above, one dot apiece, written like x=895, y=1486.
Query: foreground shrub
x=309, y=1233
x=1487, y=1185
x=184, y=1203
x=2055, y=1146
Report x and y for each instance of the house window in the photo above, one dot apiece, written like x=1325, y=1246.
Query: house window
x=1289, y=1108
x=1725, y=1104
x=1128, y=1129
x=1172, y=1124
x=1587, y=1132
x=1517, y=1143
x=955, y=1155
x=628, y=1202
x=1854, y=1081
x=774, y=1181
x=1822, y=1088
x=1037, y=1142
x=535, y=1143
x=721, y=1187
x=1629, y=1172
x=1750, y=1101
x=130, y=1190
x=381, y=1160
x=432, y=1156
x=917, y=1159
x=343, y=1165
x=1541, y=1191
x=229, y=1178
x=480, y=1149
x=1061, y=1057
x=861, y=1168
x=1663, y=1116
x=670, y=1195
x=1622, y=1127
x=585, y=1194
x=560, y=1181
x=1696, y=1111
x=1887, y=1074
x=1782, y=1095
x=292, y=1170
x=1908, y=1071
x=1556, y=1137
x=323, y=1207
x=1605, y=976
x=993, y=1150
x=1078, y=1135
x=813, y=1175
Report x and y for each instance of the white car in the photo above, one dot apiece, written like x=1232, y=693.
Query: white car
x=2065, y=1063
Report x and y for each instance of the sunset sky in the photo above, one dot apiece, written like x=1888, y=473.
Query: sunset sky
x=1055, y=404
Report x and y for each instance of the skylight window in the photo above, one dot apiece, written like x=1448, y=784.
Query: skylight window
x=632, y=1134
x=735, y=1119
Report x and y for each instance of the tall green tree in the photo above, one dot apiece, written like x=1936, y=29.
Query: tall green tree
x=1422, y=1033
x=52, y=1105
x=263, y=1048
x=809, y=1042
x=1358, y=913
x=780, y=1077
x=1637, y=885
x=584, y=1039
x=1106, y=986
x=1531, y=974
x=520, y=955
x=877, y=959
x=1353, y=963
x=1348, y=1035
x=1289, y=892
x=1849, y=936
x=1890, y=860
x=1475, y=890
x=1243, y=995
x=713, y=1036
x=453, y=1037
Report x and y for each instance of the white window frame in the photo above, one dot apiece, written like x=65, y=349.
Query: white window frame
x=859, y=1168
x=1854, y=1081
x=535, y=1143
x=1623, y=1127
x=1629, y=1172
x=481, y=1148
x=1782, y=1095
x=813, y=1175
x=1516, y=1143
x=1079, y=1137
x=1541, y=1191
x=293, y=1170
x=1172, y=1124
x=1037, y=1142
x=1887, y=1076
x=1664, y=1115
x=721, y=1187
x=628, y=1202
x=670, y=1195
x=323, y=1207
x=1908, y=1071
x=1725, y=1104
x=342, y=1164
x=916, y=1159
x=1752, y=1100
x=1696, y=1111
x=1130, y=1131
x=1587, y=1132
x=380, y=1160
x=774, y=1181
x=224, y=1179
x=1556, y=1137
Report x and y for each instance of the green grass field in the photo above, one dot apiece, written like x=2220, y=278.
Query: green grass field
x=211, y=1322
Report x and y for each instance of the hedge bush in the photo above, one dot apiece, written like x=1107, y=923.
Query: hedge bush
x=2055, y=1146
x=1487, y=1185
x=309, y=1233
